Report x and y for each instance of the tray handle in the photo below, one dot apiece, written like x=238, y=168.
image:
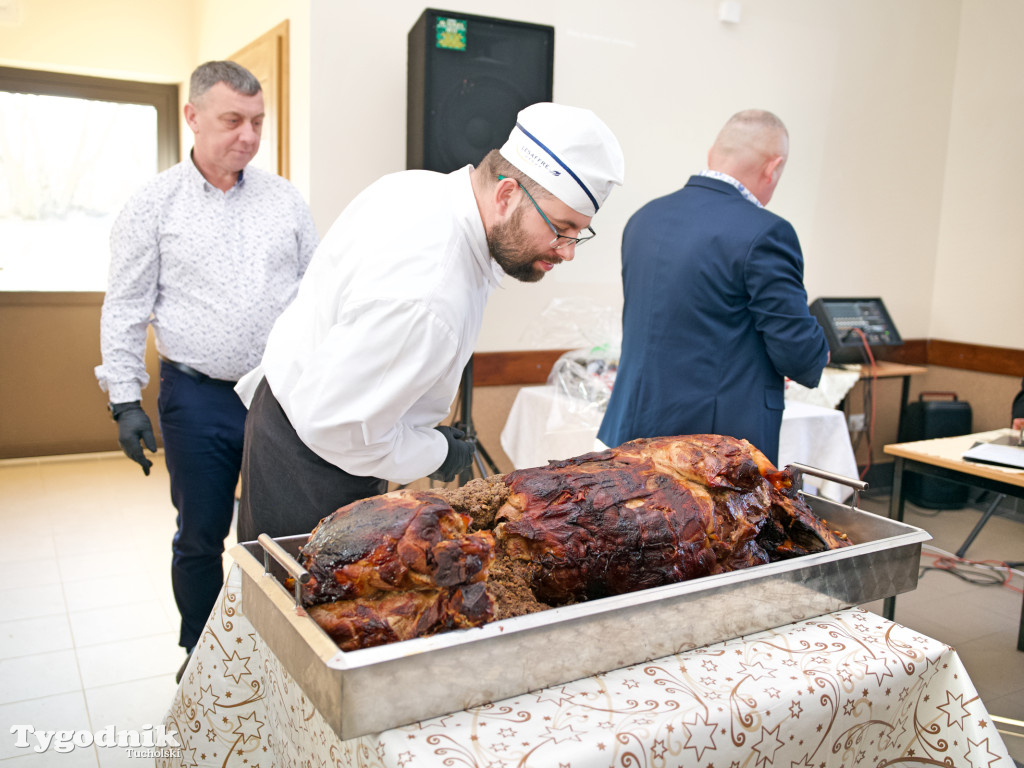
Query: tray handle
x=272, y=549
x=856, y=485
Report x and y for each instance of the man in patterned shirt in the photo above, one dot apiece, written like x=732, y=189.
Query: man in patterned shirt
x=208, y=253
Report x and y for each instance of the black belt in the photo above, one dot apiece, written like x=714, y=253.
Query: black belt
x=197, y=376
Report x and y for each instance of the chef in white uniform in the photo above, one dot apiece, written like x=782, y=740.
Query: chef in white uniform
x=365, y=363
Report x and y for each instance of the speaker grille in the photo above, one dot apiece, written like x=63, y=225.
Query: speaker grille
x=463, y=103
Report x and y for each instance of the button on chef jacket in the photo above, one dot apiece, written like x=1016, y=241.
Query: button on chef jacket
x=369, y=356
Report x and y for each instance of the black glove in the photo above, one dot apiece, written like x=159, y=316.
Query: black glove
x=134, y=428
x=459, y=458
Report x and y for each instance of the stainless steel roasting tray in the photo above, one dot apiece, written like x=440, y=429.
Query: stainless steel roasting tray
x=375, y=689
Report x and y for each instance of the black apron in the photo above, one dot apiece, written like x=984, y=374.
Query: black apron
x=286, y=488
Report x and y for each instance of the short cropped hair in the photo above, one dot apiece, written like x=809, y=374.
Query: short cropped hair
x=759, y=119
x=235, y=76
x=494, y=165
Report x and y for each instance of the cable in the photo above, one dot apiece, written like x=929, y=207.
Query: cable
x=987, y=573
x=869, y=389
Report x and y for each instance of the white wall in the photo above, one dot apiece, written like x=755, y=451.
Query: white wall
x=123, y=39
x=221, y=29
x=159, y=41
x=865, y=88
x=979, y=270
x=904, y=173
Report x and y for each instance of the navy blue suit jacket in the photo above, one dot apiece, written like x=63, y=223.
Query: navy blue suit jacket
x=715, y=316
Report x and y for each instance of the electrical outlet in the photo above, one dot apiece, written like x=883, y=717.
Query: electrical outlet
x=856, y=422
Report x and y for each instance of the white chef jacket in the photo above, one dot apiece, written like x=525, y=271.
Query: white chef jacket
x=369, y=356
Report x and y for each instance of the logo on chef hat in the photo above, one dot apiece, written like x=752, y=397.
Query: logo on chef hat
x=527, y=150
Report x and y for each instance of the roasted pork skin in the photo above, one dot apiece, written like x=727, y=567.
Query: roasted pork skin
x=649, y=512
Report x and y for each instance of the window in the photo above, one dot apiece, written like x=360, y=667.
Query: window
x=72, y=150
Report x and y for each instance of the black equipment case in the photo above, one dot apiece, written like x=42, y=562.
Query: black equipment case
x=927, y=419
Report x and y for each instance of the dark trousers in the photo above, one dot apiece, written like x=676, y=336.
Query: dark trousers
x=286, y=488
x=203, y=425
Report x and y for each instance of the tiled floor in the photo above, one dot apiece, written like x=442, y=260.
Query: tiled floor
x=88, y=626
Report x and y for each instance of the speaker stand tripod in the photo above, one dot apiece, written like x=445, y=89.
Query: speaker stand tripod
x=482, y=460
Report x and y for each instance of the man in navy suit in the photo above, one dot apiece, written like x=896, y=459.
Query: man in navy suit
x=715, y=312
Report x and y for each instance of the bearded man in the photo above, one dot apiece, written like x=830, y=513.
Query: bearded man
x=362, y=367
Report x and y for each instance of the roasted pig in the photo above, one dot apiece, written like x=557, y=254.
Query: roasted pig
x=650, y=512
x=394, y=567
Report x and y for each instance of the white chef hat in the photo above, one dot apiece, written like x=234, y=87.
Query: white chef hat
x=568, y=151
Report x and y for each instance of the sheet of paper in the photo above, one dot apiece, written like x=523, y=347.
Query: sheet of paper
x=992, y=453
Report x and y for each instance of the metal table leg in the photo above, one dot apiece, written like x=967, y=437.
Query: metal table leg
x=981, y=524
x=1020, y=632
x=896, y=502
x=904, y=397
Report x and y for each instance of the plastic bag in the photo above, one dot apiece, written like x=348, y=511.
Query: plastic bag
x=574, y=322
x=583, y=381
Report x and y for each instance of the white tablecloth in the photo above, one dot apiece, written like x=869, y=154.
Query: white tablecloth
x=845, y=689
x=543, y=425
x=818, y=437
x=834, y=386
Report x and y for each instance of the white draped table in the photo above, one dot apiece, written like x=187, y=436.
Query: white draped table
x=842, y=690
x=545, y=424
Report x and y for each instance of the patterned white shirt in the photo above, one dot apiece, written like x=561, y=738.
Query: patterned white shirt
x=747, y=194
x=209, y=270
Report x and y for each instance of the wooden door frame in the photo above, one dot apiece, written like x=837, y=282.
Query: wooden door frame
x=267, y=58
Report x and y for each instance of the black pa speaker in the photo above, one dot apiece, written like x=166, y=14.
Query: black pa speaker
x=468, y=78
x=924, y=420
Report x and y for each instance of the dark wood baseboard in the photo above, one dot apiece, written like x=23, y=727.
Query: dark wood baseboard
x=956, y=354
x=492, y=369
x=522, y=367
x=59, y=448
x=912, y=352
x=976, y=357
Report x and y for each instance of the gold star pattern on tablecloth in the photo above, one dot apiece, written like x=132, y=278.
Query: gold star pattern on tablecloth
x=848, y=688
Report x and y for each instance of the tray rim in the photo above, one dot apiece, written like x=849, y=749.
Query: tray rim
x=336, y=659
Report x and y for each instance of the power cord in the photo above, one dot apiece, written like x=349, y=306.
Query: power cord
x=869, y=395
x=986, y=573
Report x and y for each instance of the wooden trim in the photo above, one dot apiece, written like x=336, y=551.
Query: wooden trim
x=285, y=94
x=521, y=367
x=163, y=97
x=976, y=357
x=912, y=352
x=51, y=298
x=63, y=448
x=956, y=354
x=267, y=58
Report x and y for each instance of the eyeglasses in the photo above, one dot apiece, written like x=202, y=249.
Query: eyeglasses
x=560, y=241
